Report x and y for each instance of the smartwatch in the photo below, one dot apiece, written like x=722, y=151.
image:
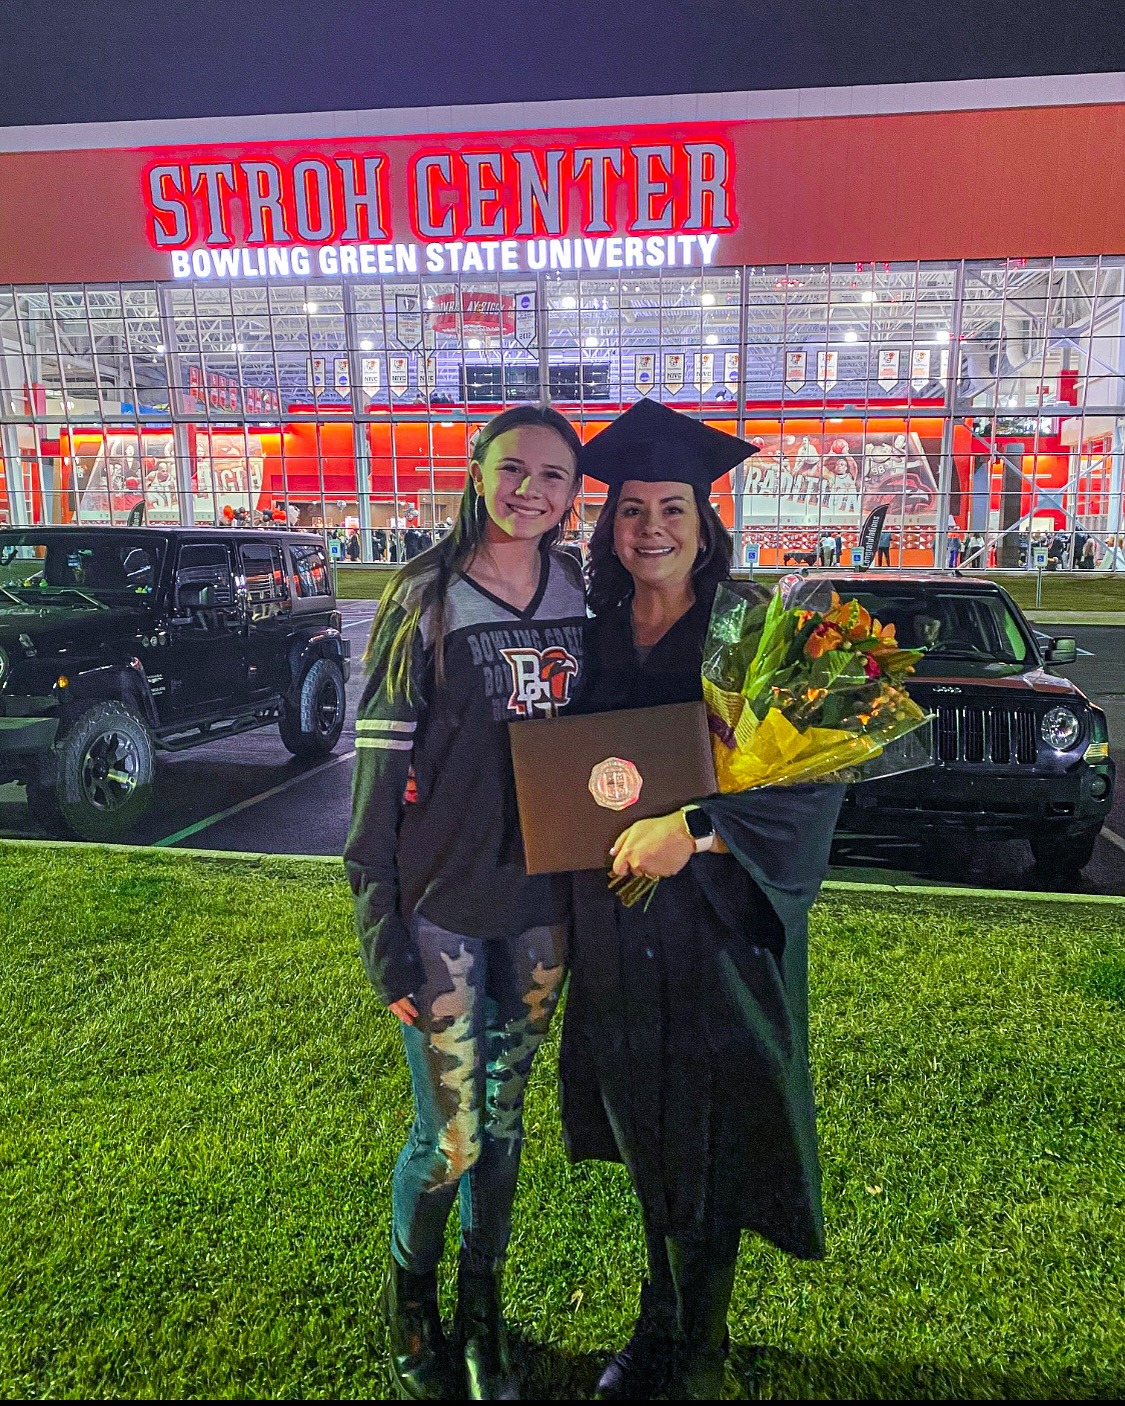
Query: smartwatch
x=699, y=827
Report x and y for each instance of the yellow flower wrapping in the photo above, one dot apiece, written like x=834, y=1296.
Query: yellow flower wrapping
x=773, y=752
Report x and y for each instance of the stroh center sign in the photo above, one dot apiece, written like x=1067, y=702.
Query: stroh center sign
x=592, y=204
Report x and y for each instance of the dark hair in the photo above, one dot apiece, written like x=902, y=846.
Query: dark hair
x=422, y=584
x=609, y=583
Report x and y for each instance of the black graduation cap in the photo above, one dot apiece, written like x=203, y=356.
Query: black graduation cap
x=652, y=443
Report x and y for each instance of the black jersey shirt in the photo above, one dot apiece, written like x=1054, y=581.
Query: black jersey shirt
x=453, y=852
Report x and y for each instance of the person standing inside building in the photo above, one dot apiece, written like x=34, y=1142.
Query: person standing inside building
x=883, y=550
x=1113, y=559
x=684, y=1046
x=463, y=947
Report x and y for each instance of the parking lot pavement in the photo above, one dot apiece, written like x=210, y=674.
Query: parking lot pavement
x=248, y=793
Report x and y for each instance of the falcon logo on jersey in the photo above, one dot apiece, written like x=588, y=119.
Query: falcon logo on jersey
x=540, y=680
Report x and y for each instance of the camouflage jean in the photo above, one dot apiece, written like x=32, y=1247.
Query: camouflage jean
x=483, y=1011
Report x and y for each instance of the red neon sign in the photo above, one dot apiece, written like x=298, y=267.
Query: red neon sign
x=507, y=187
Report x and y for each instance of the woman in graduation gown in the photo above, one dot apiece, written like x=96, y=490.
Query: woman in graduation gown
x=685, y=1040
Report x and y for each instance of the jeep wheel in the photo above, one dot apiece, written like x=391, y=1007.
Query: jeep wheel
x=106, y=769
x=312, y=727
x=1064, y=857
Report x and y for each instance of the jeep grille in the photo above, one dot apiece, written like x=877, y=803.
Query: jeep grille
x=996, y=736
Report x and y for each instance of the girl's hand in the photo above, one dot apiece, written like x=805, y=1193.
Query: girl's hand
x=405, y=1009
x=653, y=849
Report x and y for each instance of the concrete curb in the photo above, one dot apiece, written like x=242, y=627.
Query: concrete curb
x=1076, y=617
x=1001, y=895
x=231, y=858
x=223, y=856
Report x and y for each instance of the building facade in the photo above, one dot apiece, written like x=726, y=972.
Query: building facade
x=911, y=296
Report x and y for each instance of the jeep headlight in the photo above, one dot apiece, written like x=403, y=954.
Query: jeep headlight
x=1060, y=729
x=3, y=663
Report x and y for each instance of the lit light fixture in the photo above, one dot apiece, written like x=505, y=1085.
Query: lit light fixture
x=942, y=334
x=160, y=349
x=708, y=300
x=474, y=343
x=711, y=339
x=868, y=296
x=568, y=302
x=591, y=341
x=236, y=347
x=366, y=344
x=1013, y=401
x=312, y=307
x=851, y=336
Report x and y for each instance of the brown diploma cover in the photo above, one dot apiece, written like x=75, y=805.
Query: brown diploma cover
x=582, y=780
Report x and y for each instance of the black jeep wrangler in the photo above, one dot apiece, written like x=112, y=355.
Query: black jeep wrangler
x=1019, y=752
x=118, y=642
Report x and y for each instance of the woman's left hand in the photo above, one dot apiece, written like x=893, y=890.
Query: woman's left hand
x=653, y=849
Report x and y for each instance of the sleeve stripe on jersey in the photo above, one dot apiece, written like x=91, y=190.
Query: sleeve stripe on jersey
x=388, y=744
x=383, y=725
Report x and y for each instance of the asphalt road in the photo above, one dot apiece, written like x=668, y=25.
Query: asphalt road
x=248, y=794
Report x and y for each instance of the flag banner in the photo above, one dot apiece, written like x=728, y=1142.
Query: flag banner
x=870, y=531
x=920, y=367
x=674, y=371
x=888, y=368
x=315, y=371
x=399, y=375
x=526, y=329
x=644, y=371
x=826, y=364
x=796, y=370
x=704, y=364
x=730, y=371
x=342, y=376
x=408, y=320
x=371, y=373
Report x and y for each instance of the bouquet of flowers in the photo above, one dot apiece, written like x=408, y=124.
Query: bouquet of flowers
x=803, y=694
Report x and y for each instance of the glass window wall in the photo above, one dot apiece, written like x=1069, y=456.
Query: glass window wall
x=983, y=403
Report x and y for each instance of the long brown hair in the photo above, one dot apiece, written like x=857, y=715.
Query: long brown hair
x=609, y=583
x=422, y=584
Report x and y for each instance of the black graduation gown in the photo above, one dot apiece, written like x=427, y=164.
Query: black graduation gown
x=685, y=1042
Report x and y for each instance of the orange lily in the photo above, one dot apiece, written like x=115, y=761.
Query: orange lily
x=825, y=637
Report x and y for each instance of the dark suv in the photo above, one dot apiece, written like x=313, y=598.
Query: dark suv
x=119, y=642
x=1019, y=752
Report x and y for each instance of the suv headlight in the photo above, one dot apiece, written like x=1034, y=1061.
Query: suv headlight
x=1060, y=729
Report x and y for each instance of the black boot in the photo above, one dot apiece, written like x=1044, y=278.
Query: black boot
x=483, y=1334
x=420, y=1359
x=643, y=1367
x=703, y=1289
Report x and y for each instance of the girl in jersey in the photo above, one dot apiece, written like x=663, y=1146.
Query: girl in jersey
x=466, y=950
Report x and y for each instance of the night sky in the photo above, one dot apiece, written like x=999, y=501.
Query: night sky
x=99, y=60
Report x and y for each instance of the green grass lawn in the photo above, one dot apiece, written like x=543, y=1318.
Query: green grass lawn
x=1074, y=591
x=202, y=1105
